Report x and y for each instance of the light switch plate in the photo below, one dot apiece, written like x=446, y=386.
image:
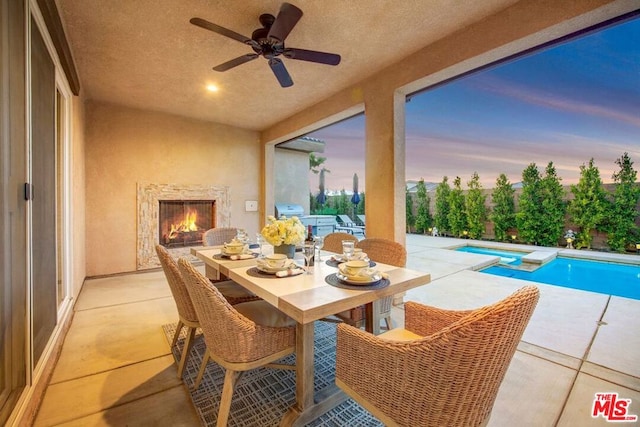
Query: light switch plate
x=250, y=205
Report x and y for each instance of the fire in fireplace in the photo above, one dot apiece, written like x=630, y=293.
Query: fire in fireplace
x=183, y=222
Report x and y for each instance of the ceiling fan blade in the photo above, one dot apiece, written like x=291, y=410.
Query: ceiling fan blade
x=221, y=30
x=287, y=18
x=312, y=56
x=235, y=62
x=278, y=68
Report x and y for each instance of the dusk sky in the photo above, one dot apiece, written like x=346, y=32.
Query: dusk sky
x=566, y=104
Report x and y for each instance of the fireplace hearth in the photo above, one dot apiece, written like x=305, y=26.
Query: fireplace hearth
x=183, y=222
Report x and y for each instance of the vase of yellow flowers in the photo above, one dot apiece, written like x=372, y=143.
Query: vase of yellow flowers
x=284, y=234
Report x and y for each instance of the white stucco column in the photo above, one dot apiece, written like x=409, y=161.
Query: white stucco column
x=385, y=164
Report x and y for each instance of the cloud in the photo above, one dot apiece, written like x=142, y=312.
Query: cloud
x=532, y=96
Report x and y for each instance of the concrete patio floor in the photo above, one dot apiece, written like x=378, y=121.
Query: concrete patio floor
x=116, y=368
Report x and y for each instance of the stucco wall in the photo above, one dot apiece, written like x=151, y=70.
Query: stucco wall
x=290, y=179
x=77, y=179
x=125, y=146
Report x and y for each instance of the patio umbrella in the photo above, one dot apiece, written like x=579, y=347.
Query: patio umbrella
x=355, y=199
x=321, y=198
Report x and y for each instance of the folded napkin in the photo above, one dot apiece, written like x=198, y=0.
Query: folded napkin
x=241, y=256
x=290, y=272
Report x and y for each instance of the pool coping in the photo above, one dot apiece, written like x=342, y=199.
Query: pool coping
x=542, y=254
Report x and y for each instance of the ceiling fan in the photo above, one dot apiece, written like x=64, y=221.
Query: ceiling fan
x=268, y=42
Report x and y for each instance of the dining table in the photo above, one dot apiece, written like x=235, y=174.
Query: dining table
x=309, y=297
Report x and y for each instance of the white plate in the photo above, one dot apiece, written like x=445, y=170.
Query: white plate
x=228, y=255
x=360, y=280
x=274, y=270
x=341, y=258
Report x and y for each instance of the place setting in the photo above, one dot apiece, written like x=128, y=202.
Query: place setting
x=235, y=250
x=275, y=266
x=357, y=275
x=349, y=253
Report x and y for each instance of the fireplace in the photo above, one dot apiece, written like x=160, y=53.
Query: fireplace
x=218, y=199
x=183, y=222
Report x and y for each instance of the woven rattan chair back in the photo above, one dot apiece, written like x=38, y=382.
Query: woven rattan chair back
x=384, y=251
x=218, y=236
x=187, y=316
x=233, y=341
x=450, y=377
x=234, y=337
x=333, y=241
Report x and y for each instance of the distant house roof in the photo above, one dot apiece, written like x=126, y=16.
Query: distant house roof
x=305, y=144
x=412, y=186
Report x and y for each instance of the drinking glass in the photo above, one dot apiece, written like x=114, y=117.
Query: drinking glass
x=260, y=240
x=348, y=247
x=242, y=235
x=319, y=241
x=308, y=251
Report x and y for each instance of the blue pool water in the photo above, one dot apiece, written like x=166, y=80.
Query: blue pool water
x=506, y=257
x=602, y=277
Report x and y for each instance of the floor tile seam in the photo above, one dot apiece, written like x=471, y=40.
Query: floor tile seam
x=609, y=379
x=548, y=350
x=583, y=360
x=122, y=303
x=168, y=353
x=110, y=407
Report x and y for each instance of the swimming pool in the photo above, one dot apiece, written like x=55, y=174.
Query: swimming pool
x=506, y=257
x=595, y=276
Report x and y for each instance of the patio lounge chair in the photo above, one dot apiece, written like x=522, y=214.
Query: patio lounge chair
x=362, y=220
x=347, y=225
x=443, y=369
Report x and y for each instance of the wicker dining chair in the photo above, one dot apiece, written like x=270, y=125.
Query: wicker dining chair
x=386, y=252
x=333, y=241
x=239, y=338
x=444, y=369
x=234, y=293
x=219, y=236
x=187, y=316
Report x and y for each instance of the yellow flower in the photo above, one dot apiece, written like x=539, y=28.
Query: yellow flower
x=283, y=231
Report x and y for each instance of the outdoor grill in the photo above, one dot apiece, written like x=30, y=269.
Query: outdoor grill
x=322, y=224
x=289, y=210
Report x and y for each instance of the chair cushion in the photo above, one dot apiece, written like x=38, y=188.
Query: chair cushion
x=264, y=314
x=399, y=334
x=231, y=289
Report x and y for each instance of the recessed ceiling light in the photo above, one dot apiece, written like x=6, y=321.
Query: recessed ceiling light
x=212, y=88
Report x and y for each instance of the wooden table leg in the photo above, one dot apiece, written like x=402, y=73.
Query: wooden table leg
x=304, y=373
x=306, y=409
x=368, y=317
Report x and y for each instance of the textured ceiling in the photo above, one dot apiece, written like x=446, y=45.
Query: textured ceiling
x=145, y=53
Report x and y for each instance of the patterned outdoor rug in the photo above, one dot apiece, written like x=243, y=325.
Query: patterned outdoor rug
x=262, y=396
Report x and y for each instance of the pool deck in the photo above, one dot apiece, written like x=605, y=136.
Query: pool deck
x=577, y=343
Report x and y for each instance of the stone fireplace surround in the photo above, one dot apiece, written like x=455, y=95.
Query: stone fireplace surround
x=149, y=196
